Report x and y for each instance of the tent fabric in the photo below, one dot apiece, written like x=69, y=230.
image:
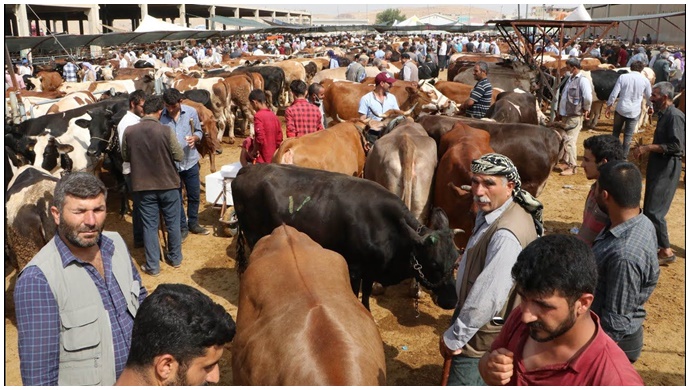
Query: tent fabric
x=413, y=21
x=580, y=14
x=239, y=22
x=150, y=24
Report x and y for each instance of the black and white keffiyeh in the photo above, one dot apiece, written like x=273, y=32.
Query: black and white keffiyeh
x=495, y=164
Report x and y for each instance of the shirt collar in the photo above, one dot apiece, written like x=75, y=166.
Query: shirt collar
x=618, y=230
x=66, y=256
x=493, y=215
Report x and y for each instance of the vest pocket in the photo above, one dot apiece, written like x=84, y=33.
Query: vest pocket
x=135, y=290
x=80, y=358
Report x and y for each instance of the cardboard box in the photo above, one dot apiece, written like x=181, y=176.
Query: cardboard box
x=214, y=183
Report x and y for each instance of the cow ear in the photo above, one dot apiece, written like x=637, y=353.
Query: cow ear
x=108, y=113
x=438, y=220
x=83, y=123
x=65, y=148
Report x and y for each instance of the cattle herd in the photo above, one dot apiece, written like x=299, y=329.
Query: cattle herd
x=332, y=213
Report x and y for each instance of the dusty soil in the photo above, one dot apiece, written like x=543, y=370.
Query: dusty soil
x=410, y=341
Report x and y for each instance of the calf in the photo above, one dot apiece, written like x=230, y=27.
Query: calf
x=369, y=226
x=301, y=325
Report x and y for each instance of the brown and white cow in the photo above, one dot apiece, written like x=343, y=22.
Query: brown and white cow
x=342, y=98
x=72, y=100
x=302, y=325
x=241, y=86
x=46, y=81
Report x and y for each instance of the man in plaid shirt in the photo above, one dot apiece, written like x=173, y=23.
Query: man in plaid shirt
x=301, y=117
x=69, y=71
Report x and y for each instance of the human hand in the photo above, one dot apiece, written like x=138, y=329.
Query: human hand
x=587, y=115
x=499, y=367
x=607, y=113
x=446, y=352
x=637, y=151
x=191, y=140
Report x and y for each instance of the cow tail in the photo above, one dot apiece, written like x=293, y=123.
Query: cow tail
x=407, y=157
x=241, y=255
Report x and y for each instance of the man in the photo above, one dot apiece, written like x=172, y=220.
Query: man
x=132, y=117
x=553, y=338
x=178, y=339
x=76, y=300
x=184, y=121
x=442, y=58
x=378, y=101
x=316, y=94
x=189, y=60
x=333, y=62
x=508, y=220
x=427, y=69
x=17, y=78
x=409, y=71
x=25, y=69
x=630, y=88
x=152, y=148
x=625, y=253
x=599, y=150
x=622, y=56
x=596, y=51
x=89, y=72
x=665, y=164
x=655, y=57
x=575, y=51
x=479, y=101
x=641, y=55
x=380, y=53
x=69, y=71
x=301, y=117
x=267, y=130
x=662, y=68
x=575, y=102
x=355, y=71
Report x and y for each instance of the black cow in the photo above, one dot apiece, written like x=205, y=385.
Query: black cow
x=143, y=64
x=274, y=79
x=200, y=96
x=534, y=150
x=369, y=226
x=603, y=81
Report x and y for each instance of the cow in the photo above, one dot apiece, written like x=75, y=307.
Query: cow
x=403, y=161
x=241, y=85
x=459, y=92
x=341, y=98
x=461, y=145
x=339, y=74
x=506, y=76
x=365, y=223
x=220, y=97
x=274, y=80
x=209, y=142
x=95, y=87
x=46, y=81
x=516, y=106
x=29, y=224
x=294, y=70
x=301, y=325
x=72, y=100
x=35, y=103
x=534, y=150
x=340, y=148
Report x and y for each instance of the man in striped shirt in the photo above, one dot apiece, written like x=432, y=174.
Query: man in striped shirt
x=479, y=101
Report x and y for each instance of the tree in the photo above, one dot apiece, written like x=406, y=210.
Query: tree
x=389, y=16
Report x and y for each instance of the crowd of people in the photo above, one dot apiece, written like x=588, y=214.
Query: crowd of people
x=531, y=310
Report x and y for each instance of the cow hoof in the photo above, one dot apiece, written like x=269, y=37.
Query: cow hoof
x=232, y=141
x=377, y=289
x=219, y=151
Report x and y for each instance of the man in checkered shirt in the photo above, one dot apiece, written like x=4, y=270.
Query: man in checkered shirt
x=69, y=71
x=301, y=117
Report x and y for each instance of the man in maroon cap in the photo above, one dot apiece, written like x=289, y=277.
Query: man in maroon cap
x=378, y=101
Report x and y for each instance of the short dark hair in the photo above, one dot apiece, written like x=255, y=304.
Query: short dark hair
x=314, y=88
x=483, y=66
x=574, y=62
x=406, y=56
x=556, y=263
x=137, y=97
x=257, y=95
x=623, y=181
x=637, y=66
x=172, y=96
x=298, y=87
x=605, y=146
x=179, y=320
x=80, y=185
x=153, y=104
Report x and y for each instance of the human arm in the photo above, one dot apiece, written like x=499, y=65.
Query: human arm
x=676, y=135
x=614, y=95
x=175, y=148
x=586, y=89
x=124, y=147
x=489, y=292
x=38, y=326
x=291, y=129
x=363, y=107
x=496, y=367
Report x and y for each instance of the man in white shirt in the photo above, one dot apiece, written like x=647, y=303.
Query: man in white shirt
x=258, y=51
x=132, y=117
x=630, y=88
x=442, y=58
x=575, y=51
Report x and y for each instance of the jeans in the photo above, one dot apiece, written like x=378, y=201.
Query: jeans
x=137, y=228
x=464, y=370
x=632, y=345
x=167, y=202
x=618, y=122
x=192, y=183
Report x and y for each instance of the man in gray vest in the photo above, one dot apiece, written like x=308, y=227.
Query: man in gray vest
x=355, y=71
x=509, y=219
x=76, y=300
x=409, y=69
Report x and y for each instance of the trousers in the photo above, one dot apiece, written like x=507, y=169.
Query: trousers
x=663, y=175
x=618, y=122
x=191, y=181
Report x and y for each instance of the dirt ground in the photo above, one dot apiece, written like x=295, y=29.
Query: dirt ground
x=411, y=342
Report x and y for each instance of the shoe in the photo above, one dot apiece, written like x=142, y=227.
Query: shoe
x=561, y=167
x=667, y=260
x=197, y=229
x=168, y=262
x=145, y=268
x=185, y=234
x=569, y=172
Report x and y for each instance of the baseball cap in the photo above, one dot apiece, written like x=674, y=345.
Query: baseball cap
x=383, y=76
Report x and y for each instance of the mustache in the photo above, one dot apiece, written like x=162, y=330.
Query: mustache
x=481, y=199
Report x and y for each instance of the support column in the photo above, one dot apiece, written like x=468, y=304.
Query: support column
x=212, y=13
x=183, y=12
x=256, y=15
x=93, y=16
x=22, y=20
x=65, y=25
x=300, y=19
x=81, y=26
x=289, y=18
x=144, y=11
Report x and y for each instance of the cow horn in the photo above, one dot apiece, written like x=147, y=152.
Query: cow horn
x=383, y=116
x=458, y=231
x=338, y=118
x=409, y=112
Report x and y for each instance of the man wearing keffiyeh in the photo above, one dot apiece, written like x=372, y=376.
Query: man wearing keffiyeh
x=508, y=219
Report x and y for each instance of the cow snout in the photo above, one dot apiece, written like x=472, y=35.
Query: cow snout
x=92, y=152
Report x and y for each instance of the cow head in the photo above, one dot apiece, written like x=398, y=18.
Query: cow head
x=438, y=102
x=433, y=258
x=101, y=130
x=21, y=146
x=54, y=151
x=35, y=82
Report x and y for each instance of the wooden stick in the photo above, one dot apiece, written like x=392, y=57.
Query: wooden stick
x=446, y=372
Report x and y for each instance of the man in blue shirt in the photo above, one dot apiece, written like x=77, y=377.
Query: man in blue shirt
x=378, y=101
x=185, y=121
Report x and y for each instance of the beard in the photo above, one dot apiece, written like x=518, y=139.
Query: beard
x=181, y=378
x=71, y=233
x=560, y=330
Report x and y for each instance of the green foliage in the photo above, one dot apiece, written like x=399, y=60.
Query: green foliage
x=389, y=16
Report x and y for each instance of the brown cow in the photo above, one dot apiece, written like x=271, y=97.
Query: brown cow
x=46, y=81
x=240, y=87
x=72, y=100
x=340, y=148
x=294, y=70
x=302, y=325
x=459, y=92
x=460, y=146
x=209, y=143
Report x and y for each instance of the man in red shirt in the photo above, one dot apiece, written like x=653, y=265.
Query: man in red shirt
x=553, y=338
x=267, y=132
x=301, y=117
x=622, y=57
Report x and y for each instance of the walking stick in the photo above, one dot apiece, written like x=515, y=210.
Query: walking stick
x=446, y=372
